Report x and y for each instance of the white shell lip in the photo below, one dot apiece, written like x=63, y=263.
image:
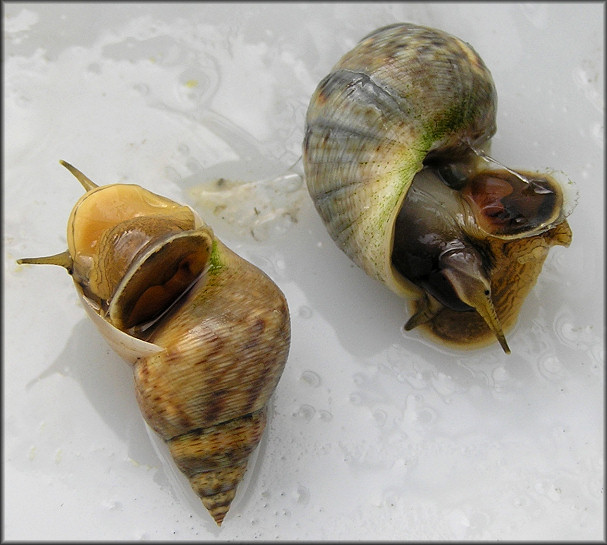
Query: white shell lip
x=126, y=346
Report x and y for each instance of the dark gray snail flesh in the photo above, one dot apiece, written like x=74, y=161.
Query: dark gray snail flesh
x=439, y=234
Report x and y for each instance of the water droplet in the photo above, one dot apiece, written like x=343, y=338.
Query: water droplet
x=305, y=311
x=551, y=368
x=356, y=399
x=325, y=416
x=194, y=165
x=112, y=505
x=578, y=337
x=302, y=495
x=310, y=378
x=380, y=417
x=500, y=374
x=443, y=384
x=426, y=416
x=306, y=412
x=359, y=379
x=141, y=88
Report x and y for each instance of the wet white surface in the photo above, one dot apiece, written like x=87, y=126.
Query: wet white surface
x=373, y=434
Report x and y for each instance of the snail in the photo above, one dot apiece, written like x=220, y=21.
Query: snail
x=207, y=333
x=395, y=156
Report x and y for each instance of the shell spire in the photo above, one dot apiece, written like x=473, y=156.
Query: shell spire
x=215, y=459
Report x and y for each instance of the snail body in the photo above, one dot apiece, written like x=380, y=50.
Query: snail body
x=395, y=161
x=207, y=332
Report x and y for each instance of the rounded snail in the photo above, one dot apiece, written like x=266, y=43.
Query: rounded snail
x=395, y=161
x=207, y=333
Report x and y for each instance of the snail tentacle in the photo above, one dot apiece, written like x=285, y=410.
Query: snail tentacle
x=465, y=271
x=62, y=259
x=86, y=182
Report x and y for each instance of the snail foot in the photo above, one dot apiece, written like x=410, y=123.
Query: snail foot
x=427, y=308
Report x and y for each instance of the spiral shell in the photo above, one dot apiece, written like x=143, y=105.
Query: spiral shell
x=395, y=157
x=207, y=333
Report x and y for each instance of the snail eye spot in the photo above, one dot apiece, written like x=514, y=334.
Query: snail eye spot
x=453, y=175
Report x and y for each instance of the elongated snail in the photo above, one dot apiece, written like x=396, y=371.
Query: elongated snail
x=207, y=333
x=395, y=159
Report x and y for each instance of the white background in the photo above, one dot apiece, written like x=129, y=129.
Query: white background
x=374, y=434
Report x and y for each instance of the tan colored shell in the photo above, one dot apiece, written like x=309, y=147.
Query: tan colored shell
x=206, y=365
x=405, y=98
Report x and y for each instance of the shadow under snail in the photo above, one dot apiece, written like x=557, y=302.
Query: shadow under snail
x=395, y=161
x=207, y=333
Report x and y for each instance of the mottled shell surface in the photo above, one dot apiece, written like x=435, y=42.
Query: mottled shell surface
x=373, y=121
x=207, y=332
x=206, y=393
x=405, y=100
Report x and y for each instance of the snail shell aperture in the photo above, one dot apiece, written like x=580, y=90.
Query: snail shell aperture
x=395, y=161
x=207, y=332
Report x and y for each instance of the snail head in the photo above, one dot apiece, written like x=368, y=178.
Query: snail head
x=131, y=251
x=431, y=250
